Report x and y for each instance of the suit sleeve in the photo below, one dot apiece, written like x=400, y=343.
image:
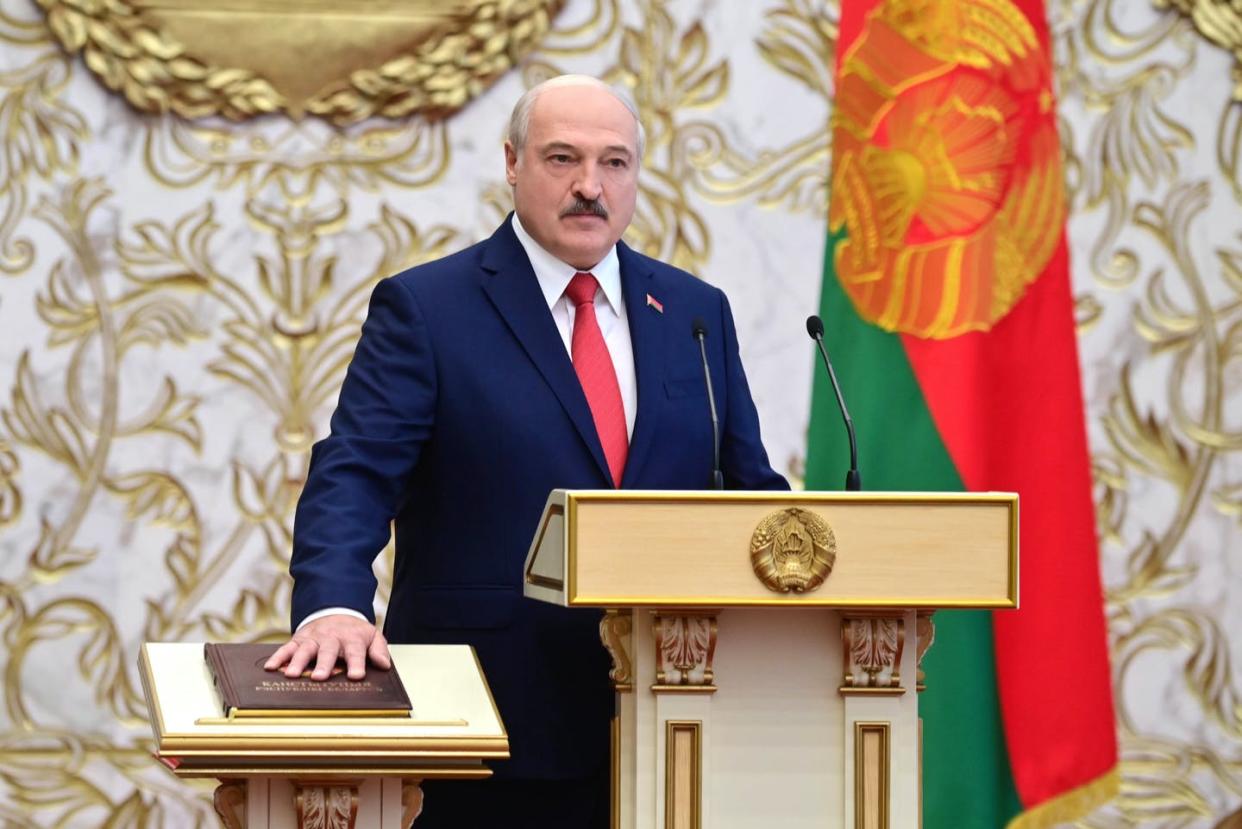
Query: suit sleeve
x=359, y=472
x=742, y=456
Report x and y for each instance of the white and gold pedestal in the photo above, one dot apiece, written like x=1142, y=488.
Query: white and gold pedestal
x=739, y=705
x=325, y=774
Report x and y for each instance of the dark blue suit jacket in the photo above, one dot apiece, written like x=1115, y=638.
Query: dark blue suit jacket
x=458, y=415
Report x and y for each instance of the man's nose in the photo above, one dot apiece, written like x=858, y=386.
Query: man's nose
x=588, y=185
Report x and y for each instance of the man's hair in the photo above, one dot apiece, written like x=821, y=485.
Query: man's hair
x=519, y=121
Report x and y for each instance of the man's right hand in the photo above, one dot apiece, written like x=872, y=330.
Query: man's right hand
x=325, y=640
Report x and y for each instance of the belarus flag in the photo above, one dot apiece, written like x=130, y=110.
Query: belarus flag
x=947, y=303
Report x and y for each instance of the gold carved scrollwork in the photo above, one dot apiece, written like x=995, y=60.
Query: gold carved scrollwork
x=685, y=647
x=411, y=802
x=924, y=635
x=872, y=647
x=615, y=632
x=326, y=805
x=229, y=800
x=195, y=60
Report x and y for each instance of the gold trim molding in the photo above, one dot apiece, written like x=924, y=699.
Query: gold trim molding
x=871, y=774
x=683, y=774
x=225, y=57
x=439, y=771
x=614, y=772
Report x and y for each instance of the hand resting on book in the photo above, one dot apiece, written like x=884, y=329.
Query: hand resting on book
x=322, y=641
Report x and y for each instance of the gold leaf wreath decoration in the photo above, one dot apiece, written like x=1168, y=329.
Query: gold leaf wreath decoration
x=153, y=72
x=442, y=72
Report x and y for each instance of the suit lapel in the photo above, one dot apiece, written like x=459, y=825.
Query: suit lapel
x=512, y=287
x=648, y=333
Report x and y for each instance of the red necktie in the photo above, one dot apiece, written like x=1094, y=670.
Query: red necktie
x=595, y=371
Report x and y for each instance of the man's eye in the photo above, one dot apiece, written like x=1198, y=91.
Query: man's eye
x=617, y=163
x=559, y=158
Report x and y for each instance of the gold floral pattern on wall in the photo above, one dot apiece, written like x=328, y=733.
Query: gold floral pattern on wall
x=179, y=300
x=1156, y=221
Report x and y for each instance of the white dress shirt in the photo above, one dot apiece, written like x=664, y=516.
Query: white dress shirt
x=614, y=323
x=553, y=276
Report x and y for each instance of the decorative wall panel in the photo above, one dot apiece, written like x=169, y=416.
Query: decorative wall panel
x=178, y=301
x=1150, y=119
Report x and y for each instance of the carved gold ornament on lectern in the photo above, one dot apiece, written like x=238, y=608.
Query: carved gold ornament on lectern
x=343, y=62
x=793, y=551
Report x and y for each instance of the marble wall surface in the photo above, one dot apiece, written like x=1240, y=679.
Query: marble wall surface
x=178, y=300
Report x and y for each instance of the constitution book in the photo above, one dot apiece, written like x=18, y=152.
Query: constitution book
x=248, y=690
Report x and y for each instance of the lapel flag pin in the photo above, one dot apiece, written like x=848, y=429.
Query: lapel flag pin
x=652, y=302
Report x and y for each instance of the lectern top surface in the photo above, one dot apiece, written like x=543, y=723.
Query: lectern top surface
x=742, y=549
x=453, y=711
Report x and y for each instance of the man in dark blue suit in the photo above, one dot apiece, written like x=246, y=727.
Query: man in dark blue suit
x=550, y=355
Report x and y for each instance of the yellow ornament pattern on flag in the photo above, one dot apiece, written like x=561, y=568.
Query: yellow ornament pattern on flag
x=946, y=174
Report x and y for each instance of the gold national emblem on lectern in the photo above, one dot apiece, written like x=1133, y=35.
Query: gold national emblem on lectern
x=793, y=551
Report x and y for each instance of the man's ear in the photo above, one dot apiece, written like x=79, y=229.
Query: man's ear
x=511, y=160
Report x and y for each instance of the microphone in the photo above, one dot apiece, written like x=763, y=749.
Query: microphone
x=815, y=327
x=699, y=329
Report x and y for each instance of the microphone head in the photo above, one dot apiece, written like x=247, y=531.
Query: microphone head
x=814, y=327
x=698, y=328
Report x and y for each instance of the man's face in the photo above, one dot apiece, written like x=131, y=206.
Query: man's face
x=576, y=179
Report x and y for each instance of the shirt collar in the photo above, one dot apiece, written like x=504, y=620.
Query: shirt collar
x=554, y=275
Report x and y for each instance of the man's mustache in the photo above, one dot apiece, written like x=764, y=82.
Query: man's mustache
x=586, y=207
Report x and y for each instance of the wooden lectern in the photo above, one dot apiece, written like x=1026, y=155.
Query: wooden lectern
x=315, y=773
x=766, y=646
